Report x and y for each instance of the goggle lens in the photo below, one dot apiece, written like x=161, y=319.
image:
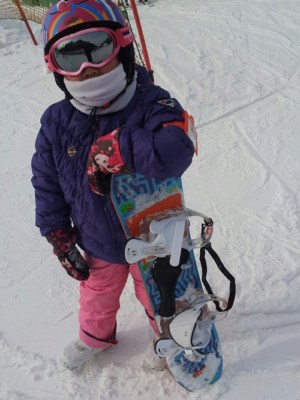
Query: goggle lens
x=93, y=47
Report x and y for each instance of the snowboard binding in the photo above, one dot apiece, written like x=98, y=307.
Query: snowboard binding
x=190, y=329
x=165, y=237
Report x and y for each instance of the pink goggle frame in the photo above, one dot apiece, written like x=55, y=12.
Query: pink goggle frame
x=121, y=37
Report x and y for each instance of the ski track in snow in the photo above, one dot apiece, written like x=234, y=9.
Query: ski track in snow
x=236, y=67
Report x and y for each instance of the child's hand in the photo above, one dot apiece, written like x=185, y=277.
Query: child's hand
x=63, y=242
x=99, y=182
x=105, y=155
x=75, y=265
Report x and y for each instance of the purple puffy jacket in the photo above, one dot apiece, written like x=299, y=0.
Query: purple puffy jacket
x=63, y=196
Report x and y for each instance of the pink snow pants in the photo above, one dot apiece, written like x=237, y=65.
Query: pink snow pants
x=100, y=301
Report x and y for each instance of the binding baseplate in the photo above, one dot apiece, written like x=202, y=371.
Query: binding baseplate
x=191, y=328
x=168, y=236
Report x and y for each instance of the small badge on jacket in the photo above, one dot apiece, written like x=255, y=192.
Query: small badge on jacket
x=72, y=151
x=167, y=102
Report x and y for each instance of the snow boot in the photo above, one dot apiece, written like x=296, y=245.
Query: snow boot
x=152, y=361
x=77, y=353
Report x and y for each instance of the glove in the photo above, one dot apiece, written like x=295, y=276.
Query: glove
x=75, y=265
x=63, y=242
x=105, y=159
x=98, y=181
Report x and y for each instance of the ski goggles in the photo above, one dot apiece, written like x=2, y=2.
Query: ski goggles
x=94, y=47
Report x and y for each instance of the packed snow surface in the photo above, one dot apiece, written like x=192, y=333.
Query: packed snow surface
x=235, y=65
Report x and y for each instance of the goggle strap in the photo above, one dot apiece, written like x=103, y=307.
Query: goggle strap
x=124, y=36
x=49, y=64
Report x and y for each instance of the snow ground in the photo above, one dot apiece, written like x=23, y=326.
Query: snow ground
x=235, y=66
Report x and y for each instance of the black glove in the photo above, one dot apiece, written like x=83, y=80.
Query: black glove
x=100, y=183
x=75, y=265
x=63, y=242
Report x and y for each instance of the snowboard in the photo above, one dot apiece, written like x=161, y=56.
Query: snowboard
x=139, y=200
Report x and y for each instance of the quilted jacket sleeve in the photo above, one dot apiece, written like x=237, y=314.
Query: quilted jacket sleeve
x=159, y=149
x=52, y=212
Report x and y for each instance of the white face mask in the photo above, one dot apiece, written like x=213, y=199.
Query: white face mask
x=97, y=91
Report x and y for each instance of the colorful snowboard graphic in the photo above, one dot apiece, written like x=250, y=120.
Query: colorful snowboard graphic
x=136, y=199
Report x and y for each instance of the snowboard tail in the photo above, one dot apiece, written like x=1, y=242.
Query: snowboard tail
x=172, y=291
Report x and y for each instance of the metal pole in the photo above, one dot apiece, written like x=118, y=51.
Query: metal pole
x=141, y=37
x=23, y=17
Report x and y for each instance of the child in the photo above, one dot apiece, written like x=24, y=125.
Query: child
x=110, y=103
